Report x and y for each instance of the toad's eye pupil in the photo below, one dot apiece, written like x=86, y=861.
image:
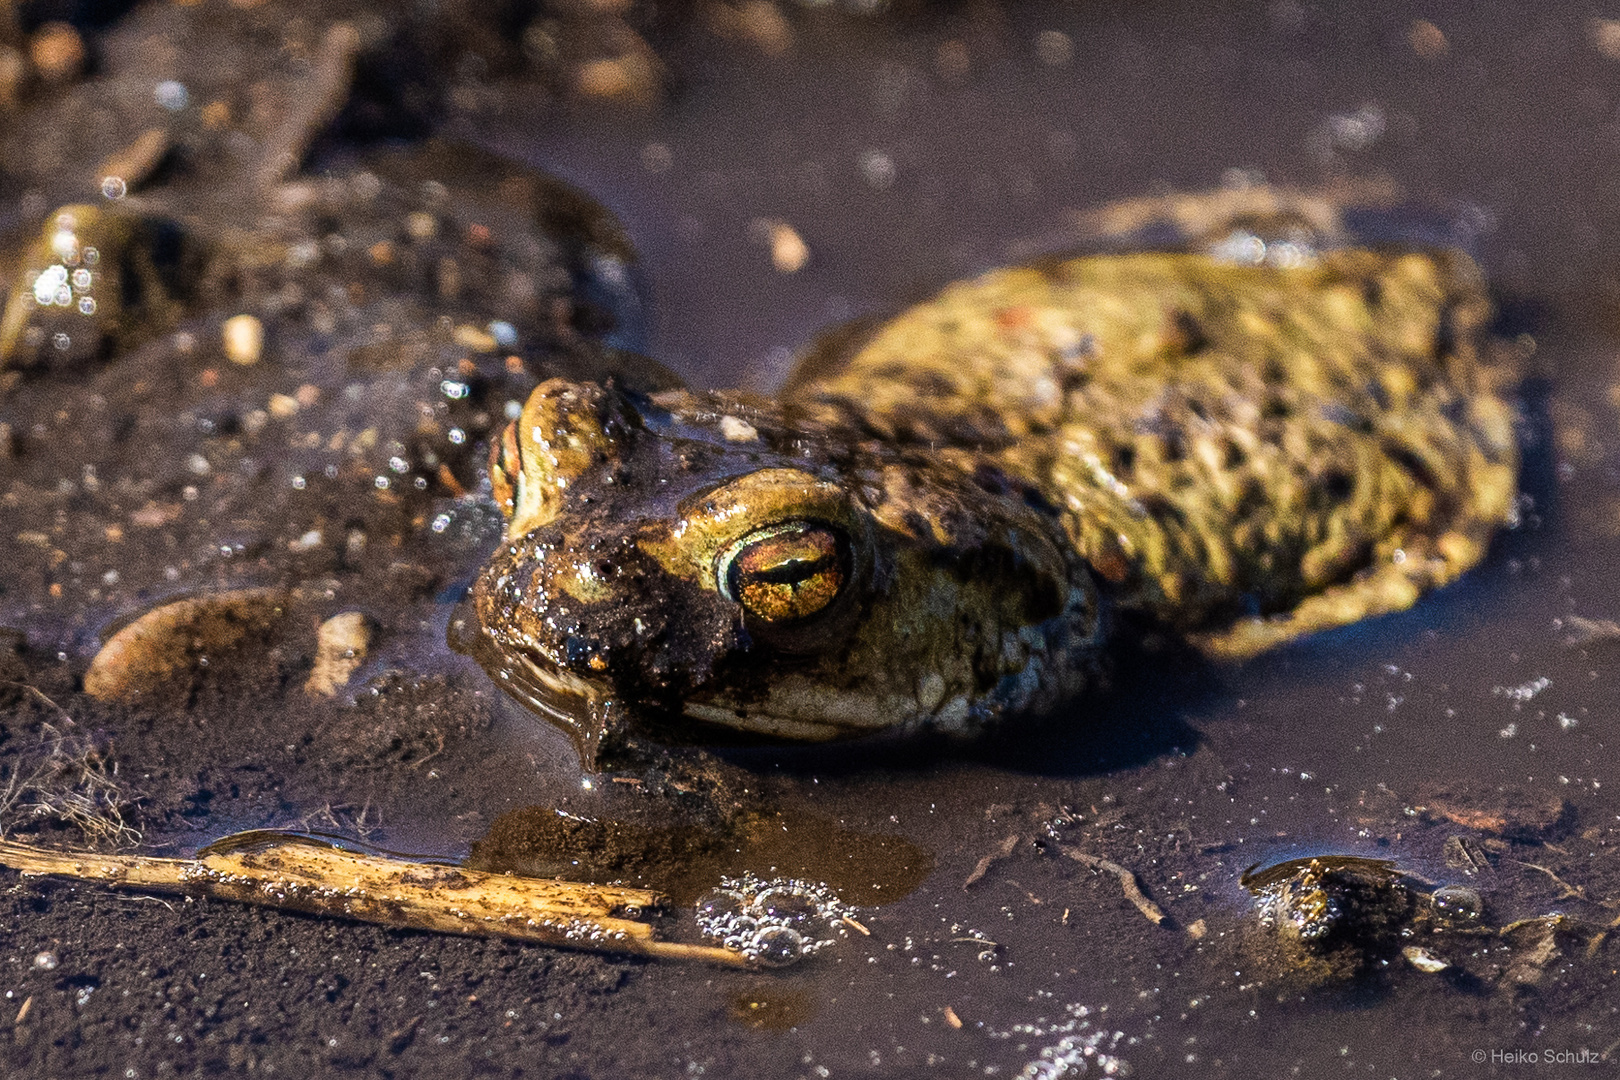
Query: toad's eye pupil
x=786, y=572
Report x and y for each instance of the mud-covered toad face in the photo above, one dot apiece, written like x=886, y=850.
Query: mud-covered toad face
x=695, y=558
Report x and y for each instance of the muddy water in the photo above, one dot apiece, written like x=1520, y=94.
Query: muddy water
x=908, y=152
x=901, y=173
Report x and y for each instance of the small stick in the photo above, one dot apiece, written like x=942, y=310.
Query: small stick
x=134, y=163
x=1127, y=881
x=315, y=105
x=302, y=874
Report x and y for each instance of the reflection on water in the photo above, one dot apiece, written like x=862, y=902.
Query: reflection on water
x=685, y=860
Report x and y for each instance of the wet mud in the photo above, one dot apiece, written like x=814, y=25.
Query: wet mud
x=512, y=193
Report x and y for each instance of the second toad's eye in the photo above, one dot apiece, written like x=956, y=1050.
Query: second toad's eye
x=785, y=572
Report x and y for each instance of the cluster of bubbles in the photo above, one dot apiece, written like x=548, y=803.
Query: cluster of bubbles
x=1082, y=1048
x=1244, y=248
x=774, y=923
x=69, y=281
x=1311, y=913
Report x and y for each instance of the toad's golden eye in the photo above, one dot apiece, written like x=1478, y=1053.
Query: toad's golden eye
x=786, y=572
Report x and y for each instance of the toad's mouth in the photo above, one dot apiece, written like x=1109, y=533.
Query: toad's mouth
x=560, y=696
x=759, y=723
x=796, y=713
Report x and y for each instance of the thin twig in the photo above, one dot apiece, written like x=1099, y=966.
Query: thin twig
x=135, y=162
x=1574, y=891
x=1127, y=882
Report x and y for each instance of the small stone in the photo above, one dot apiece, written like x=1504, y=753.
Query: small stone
x=177, y=638
x=307, y=542
x=1424, y=960
x=471, y=337
x=789, y=252
x=1605, y=37
x=421, y=225
x=340, y=648
x=1054, y=48
x=283, y=406
x=1427, y=39
x=243, y=337
x=58, y=52
x=633, y=78
x=216, y=115
x=763, y=24
x=737, y=430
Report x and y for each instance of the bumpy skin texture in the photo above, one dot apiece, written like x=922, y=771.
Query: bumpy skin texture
x=1304, y=447
x=1243, y=453
x=961, y=599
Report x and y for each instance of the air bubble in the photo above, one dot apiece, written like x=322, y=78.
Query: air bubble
x=717, y=904
x=776, y=946
x=1458, y=902
x=740, y=930
x=786, y=905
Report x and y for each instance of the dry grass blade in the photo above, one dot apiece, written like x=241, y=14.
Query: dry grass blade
x=67, y=779
x=300, y=874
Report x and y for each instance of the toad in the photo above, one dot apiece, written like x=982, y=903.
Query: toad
x=938, y=527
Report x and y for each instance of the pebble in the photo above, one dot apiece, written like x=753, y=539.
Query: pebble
x=173, y=640
x=1424, y=960
x=471, y=337
x=789, y=252
x=421, y=225
x=737, y=430
x=58, y=52
x=340, y=648
x=632, y=78
x=243, y=337
x=1427, y=39
x=13, y=73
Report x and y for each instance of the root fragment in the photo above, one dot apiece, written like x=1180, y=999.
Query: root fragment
x=1004, y=849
